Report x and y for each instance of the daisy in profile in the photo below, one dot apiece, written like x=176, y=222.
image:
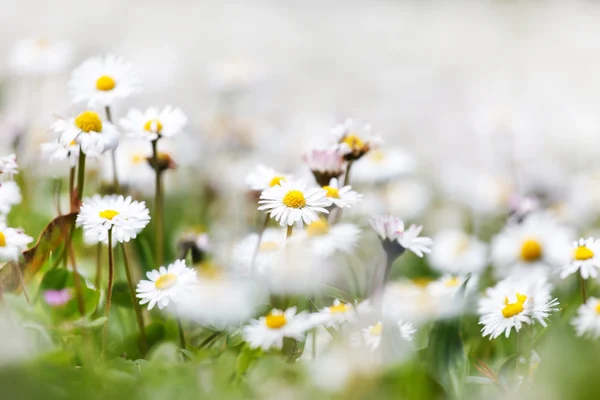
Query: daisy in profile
x=100, y=81
x=513, y=302
x=12, y=242
x=584, y=259
x=342, y=197
x=335, y=315
x=291, y=201
x=268, y=332
x=355, y=139
x=456, y=252
x=37, y=56
x=56, y=152
x=392, y=233
x=152, y=123
x=587, y=321
x=166, y=285
x=263, y=177
x=325, y=239
x=90, y=131
x=10, y=195
x=124, y=217
x=268, y=254
x=325, y=164
x=383, y=165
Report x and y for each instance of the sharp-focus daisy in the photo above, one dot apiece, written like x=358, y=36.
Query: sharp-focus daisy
x=152, y=124
x=268, y=332
x=39, y=56
x=324, y=164
x=341, y=196
x=90, y=131
x=325, y=239
x=391, y=231
x=8, y=165
x=584, y=259
x=587, y=321
x=291, y=201
x=166, y=285
x=271, y=244
x=456, y=252
x=121, y=215
x=10, y=195
x=335, y=315
x=57, y=152
x=12, y=242
x=538, y=242
x=355, y=139
x=100, y=81
x=513, y=302
x=383, y=165
x=263, y=177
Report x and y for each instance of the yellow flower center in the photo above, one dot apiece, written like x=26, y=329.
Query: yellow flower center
x=166, y=281
x=268, y=246
x=598, y=308
x=512, y=309
x=353, y=142
x=421, y=281
x=2, y=240
x=294, y=199
x=452, y=282
x=376, y=329
x=108, y=214
x=89, y=121
x=276, y=321
x=339, y=308
x=318, y=228
x=105, y=83
x=138, y=158
x=377, y=156
x=332, y=192
x=583, y=253
x=531, y=250
x=276, y=180
x=153, y=125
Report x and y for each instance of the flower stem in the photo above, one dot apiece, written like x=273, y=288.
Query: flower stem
x=80, y=176
x=583, y=295
x=113, y=156
x=108, y=292
x=158, y=206
x=136, y=305
x=260, y=235
x=71, y=186
x=290, y=228
x=181, y=333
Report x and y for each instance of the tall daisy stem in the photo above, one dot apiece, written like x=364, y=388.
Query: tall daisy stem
x=290, y=228
x=108, y=292
x=113, y=156
x=80, y=176
x=338, y=214
x=181, y=333
x=260, y=235
x=136, y=305
x=582, y=284
x=158, y=206
x=71, y=186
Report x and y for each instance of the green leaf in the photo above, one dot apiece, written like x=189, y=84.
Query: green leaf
x=244, y=359
x=121, y=296
x=446, y=357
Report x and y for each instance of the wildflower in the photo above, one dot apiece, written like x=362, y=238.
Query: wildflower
x=455, y=252
x=587, y=321
x=584, y=259
x=355, y=140
x=335, y=315
x=325, y=164
x=396, y=239
x=90, y=131
x=268, y=332
x=12, y=242
x=263, y=177
x=37, y=56
x=153, y=124
x=8, y=165
x=341, y=196
x=272, y=243
x=383, y=165
x=10, y=195
x=324, y=239
x=55, y=151
x=57, y=298
x=166, y=285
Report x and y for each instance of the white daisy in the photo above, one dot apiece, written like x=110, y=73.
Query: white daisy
x=538, y=243
x=271, y=244
x=152, y=124
x=166, y=285
x=372, y=335
x=8, y=165
x=448, y=285
x=325, y=164
x=324, y=239
x=263, y=177
x=584, y=259
x=100, y=81
x=355, y=139
x=90, y=131
x=268, y=332
x=39, y=56
x=57, y=152
x=407, y=197
x=407, y=330
x=291, y=201
x=456, y=252
x=125, y=217
x=383, y=165
x=10, y=195
x=391, y=229
x=587, y=321
x=335, y=315
x=341, y=196
x=12, y=242
x=513, y=302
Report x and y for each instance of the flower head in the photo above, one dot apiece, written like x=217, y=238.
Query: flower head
x=8, y=165
x=263, y=177
x=57, y=298
x=341, y=196
x=392, y=233
x=324, y=239
x=325, y=164
x=166, y=285
x=585, y=259
x=335, y=315
x=355, y=140
x=37, y=56
x=587, y=321
x=10, y=195
x=268, y=331
x=152, y=124
x=456, y=252
x=12, y=242
x=89, y=130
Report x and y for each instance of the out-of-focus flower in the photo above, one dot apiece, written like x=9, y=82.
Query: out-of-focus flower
x=372, y=335
x=291, y=201
x=233, y=76
x=57, y=152
x=391, y=232
x=268, y=332
x=355, y=139
x=273, y=241
x=406, y=197
x=587, y=321
x=335, y=315
x=456, y=252
x=124, y=216
x=325, y=164
x=449, y=285
x=383, y=165
x=515, y=301
x=10, y=195
x=263, y=177
x=166, y=285
x=8, y=165
x=196, y=243
x=324, y=239
x=12, y=242
x=407, y=330
x=57, y=298
x=584, y=259
x=94, y=135
x=100, y=81
x=152, y=123
x=342, y=197
x=39, y=56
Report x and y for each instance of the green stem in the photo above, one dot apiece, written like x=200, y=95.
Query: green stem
x=71, y=187
x=583, y=295
x=113, y=156
x=158, y=206
x=136, y=305
x=80, y=175
x=290, y=228
x=181, y=333
x=108, y=292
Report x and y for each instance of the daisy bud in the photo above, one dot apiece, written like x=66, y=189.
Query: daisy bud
x=324, y=164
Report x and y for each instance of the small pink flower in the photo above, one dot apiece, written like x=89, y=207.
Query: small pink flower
x=56, y=298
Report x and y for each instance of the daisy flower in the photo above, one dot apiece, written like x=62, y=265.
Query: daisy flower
x=449, y=285
x=372, y=335
x=12, y=242
x=341, y=196
x=57, y=152
x=324, y=164
x=166, y=285
x=94, y=135
x=291, y=201
x=383, y=165
x=407, y=330
x=8, y=165
x=268, y=332
x=587, y=321
x=100, y=81
x=513, y=302
x=584, y=259
x=38, y=56
x=271, y=244
x=264, y=177
x=152, y=124
x=121, y=215
x=391, y=232
x=355, y=139
x=335, y=315
x=325, y=239
x=10, y=195
x=456, y=252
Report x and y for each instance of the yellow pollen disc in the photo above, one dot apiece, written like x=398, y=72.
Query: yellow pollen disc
x=376, y=329
x=276, y=180
x=339, y=308
x=166, y=281
x=423, y=281
x=89, y=121
x=531, y=250
x=452, y=282
x=275, y=321
x=138, y=158
x=153, y=125
x=354, y=142
x=598, y=308
x=332, y=192
x=294, y=199
x=377, y=156
x=2, y=240
x=583, y=253
x=318, y=228
x=105, y=83
x=108, y=214
x=268, y=246
x=516, y=308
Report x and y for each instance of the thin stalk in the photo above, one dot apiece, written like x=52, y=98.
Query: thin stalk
x=136, y=305
x=113, y=156
x=98, y=280
x=338, y=214
x=71, y=186
x=108, y=292
x=158, y=206
x=80, y=175
x=260, y=235
x=290, y=228
x=181, y=333
x=582, y=284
